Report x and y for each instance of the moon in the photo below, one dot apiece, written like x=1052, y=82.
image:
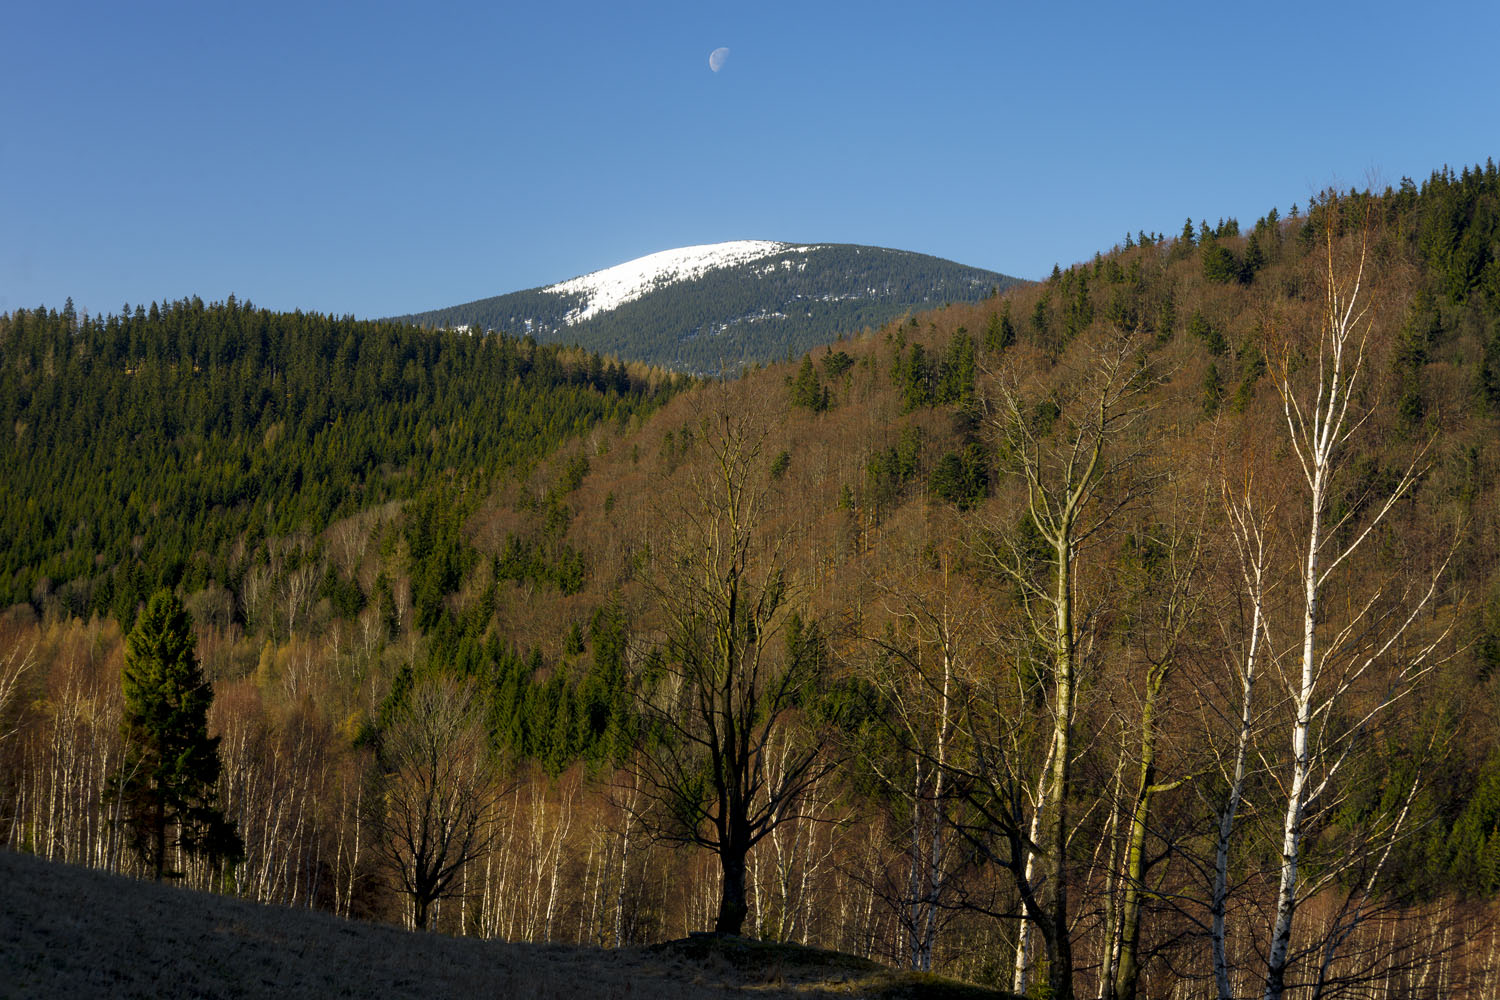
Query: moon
x=717, y=58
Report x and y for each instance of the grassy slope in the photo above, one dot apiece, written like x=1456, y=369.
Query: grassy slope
x=71, y=932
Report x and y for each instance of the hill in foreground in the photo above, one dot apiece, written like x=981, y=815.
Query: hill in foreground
x=72, y=932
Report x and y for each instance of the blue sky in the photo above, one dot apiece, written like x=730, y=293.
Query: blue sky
x=378, y=158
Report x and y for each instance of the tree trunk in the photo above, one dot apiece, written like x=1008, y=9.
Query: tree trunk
x=1021, y=974
x=732, y=905
x=1296, y=799
x=419, y=913
x=1220, y=899
x=159, y=836
x=1060, y=950
x=1127, y=972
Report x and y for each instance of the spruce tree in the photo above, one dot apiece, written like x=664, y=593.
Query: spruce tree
x=168, y=788
x=807, y=390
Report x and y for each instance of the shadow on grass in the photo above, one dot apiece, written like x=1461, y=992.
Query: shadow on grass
x=815, y=972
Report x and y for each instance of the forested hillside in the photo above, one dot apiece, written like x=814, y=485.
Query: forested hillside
x=764, y=311
x=164, y=446
x=1130, y=634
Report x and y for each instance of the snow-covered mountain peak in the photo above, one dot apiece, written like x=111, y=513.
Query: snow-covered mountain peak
x=614, y=286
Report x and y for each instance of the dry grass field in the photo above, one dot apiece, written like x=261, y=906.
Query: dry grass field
x=74, y=933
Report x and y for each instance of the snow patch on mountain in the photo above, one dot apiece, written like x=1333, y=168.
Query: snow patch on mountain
x=614, y=286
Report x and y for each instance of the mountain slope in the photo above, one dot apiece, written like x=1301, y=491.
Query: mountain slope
x=162, y=440
x=895, y=498
x=713, y=308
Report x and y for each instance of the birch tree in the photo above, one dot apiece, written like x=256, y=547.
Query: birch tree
x=1069, y=447
x=921, y=658
x=1168, y=597
x=1355, y=647
x=1244, y=647
x=14, y=664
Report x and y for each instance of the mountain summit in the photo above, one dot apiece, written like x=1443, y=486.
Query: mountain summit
x=614, y=286
x=712, y=308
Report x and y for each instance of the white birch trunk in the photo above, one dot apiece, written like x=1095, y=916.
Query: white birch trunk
x=1250, y=541
x=1021, y=979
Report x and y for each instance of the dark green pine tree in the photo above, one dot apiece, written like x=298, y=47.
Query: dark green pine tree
x=956, y=373
x=1001, y=332
x=168, y=788
x=807, y=389
x=1255, y=260
x=1220, y=265
x=916, y=387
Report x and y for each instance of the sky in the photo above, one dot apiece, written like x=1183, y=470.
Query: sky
x=381, y=158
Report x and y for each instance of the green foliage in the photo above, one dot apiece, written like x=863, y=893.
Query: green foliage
x=540, y=712
x=573, y=474
x=923, y=380
x=1254, y=261
x=439, y=556
x=385, y=603
x=167, y=786
x=1487, y=636
x=1040, y=321
x=961, y=477
x=915, y=378
x=1414, y=342
x=545, y=562
x=161, y=449
x=1489, y=368
x=1463, y=850
x=544, y=713
x=574, y=643
x=836, y=363
x=888, y=471
x=807, y=659
x=807, y=390
x=780, y=464
x=1044, y=415
x=955, y=377
x=1078, y=311
x=1219, y=263
x=1166, y=318
x=1000, y=332
x=344, y=594
x=1252, y=367
x=1458, y=226
x=1200, y=329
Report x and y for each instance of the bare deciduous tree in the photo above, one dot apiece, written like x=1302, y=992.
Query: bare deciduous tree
x=1343, y=649
x=1071, y=453
x=728, y=684
x=13, y=666
x=1243, y=655
x=440, y=789
x=921, y=655
x=1168, y=596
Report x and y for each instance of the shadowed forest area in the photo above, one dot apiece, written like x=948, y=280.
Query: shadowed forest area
x=1129, y=634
